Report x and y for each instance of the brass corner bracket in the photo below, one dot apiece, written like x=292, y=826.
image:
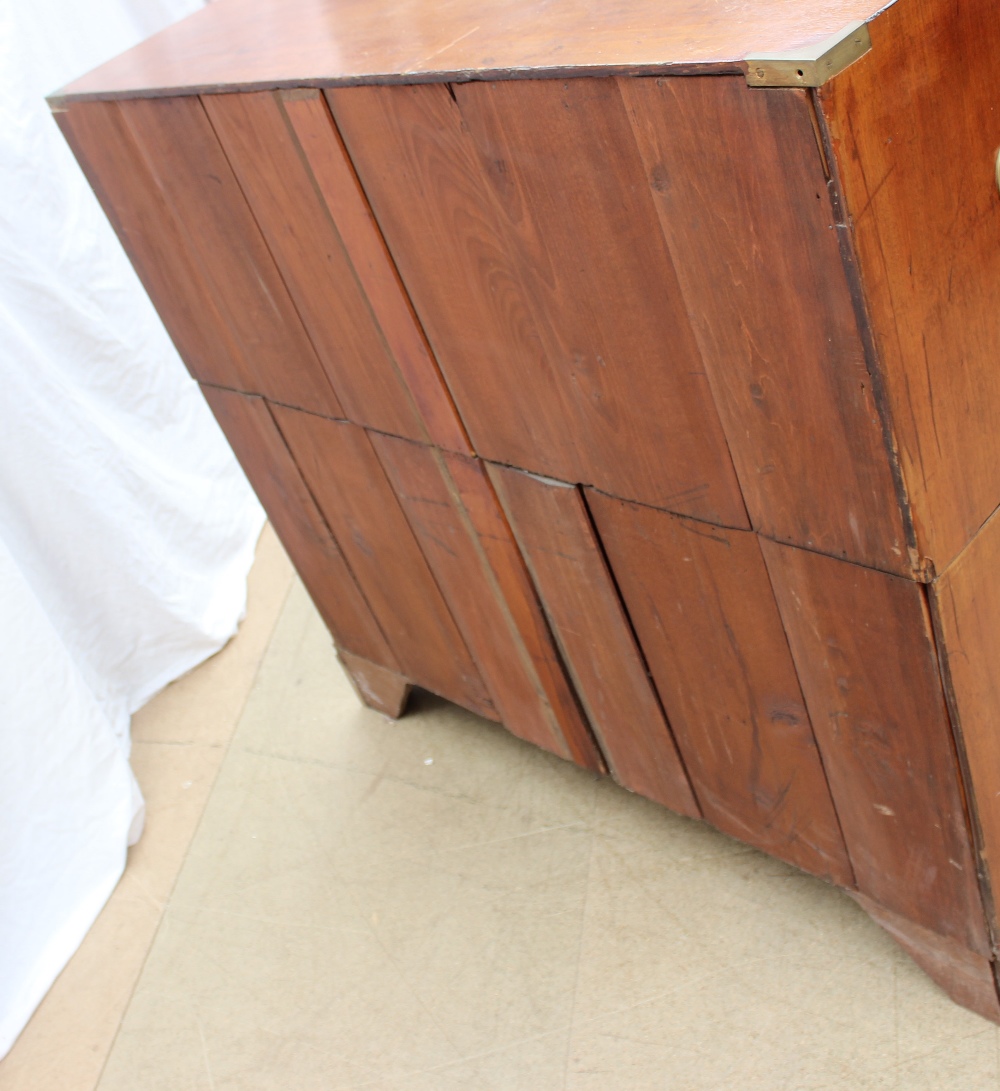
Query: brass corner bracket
x=812, y=65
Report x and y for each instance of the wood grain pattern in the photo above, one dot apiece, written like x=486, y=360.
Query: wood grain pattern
x=378, y=688
x=197, y=224
x=865, y=656
x=965, y=604
x=703, y=610
x=334, y=175
x=269, y=42
x=520, y=220
x=452, y=547
x=156, y=243
x=343, y=473
x=304, y=241
x=915, y=132
x=552, y=527
x=275, y=478
x=521, y=604
x=753, y=236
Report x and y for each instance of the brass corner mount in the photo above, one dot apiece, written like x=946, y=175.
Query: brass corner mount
x=812, y=65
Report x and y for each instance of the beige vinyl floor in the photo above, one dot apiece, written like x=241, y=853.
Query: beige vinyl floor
x=326, y=900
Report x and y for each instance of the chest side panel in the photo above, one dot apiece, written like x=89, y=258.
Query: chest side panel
x=915, y=131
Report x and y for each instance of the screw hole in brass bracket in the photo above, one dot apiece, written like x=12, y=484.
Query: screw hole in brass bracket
x=812, y=65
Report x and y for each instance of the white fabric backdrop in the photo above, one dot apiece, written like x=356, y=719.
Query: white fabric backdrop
x=126, y=527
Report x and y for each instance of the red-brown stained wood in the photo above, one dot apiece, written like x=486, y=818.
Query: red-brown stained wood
x=965, y=602
x=304, y=242
x=333, y=174
x=275, y=478
x=520, y=219
x=520, y=600
x=302, y=236
x=865, y=655
x=968, y=978
x=451, y=545
x=703, y=610
x=211, y=229
x=381, y=689
x=343, y=473
x=298, y=41
x=738, y=180
x=915, y=131
x=553, y=529
x=156, y=243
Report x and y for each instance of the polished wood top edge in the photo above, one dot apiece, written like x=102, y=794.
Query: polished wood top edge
x=255, y=44
x=65, y=96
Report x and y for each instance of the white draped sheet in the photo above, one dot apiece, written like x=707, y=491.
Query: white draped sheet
x=126, y=527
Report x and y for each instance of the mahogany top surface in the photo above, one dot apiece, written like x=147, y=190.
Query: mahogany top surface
x=271, y=43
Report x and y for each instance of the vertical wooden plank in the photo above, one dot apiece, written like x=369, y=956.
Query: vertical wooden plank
x=865, y=655
x=965, y=603
x=276, y=479
x=914, y=131
x=334, y=175
x=701, y=602
x=183, y=154
x=156, y=243
x=344, y=475
x=520, y=219
x=453, y=550
x=307, y=248
x=737, y=178
x=552, y=527
x=520, y=600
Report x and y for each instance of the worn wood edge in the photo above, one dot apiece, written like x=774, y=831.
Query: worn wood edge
x=725, y=67
x=933, y=594
x=377, y=687
x=921, y=569
x=966, y=782
x=969, y=979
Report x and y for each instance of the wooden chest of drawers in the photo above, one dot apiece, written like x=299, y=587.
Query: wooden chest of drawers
x=627, y=373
